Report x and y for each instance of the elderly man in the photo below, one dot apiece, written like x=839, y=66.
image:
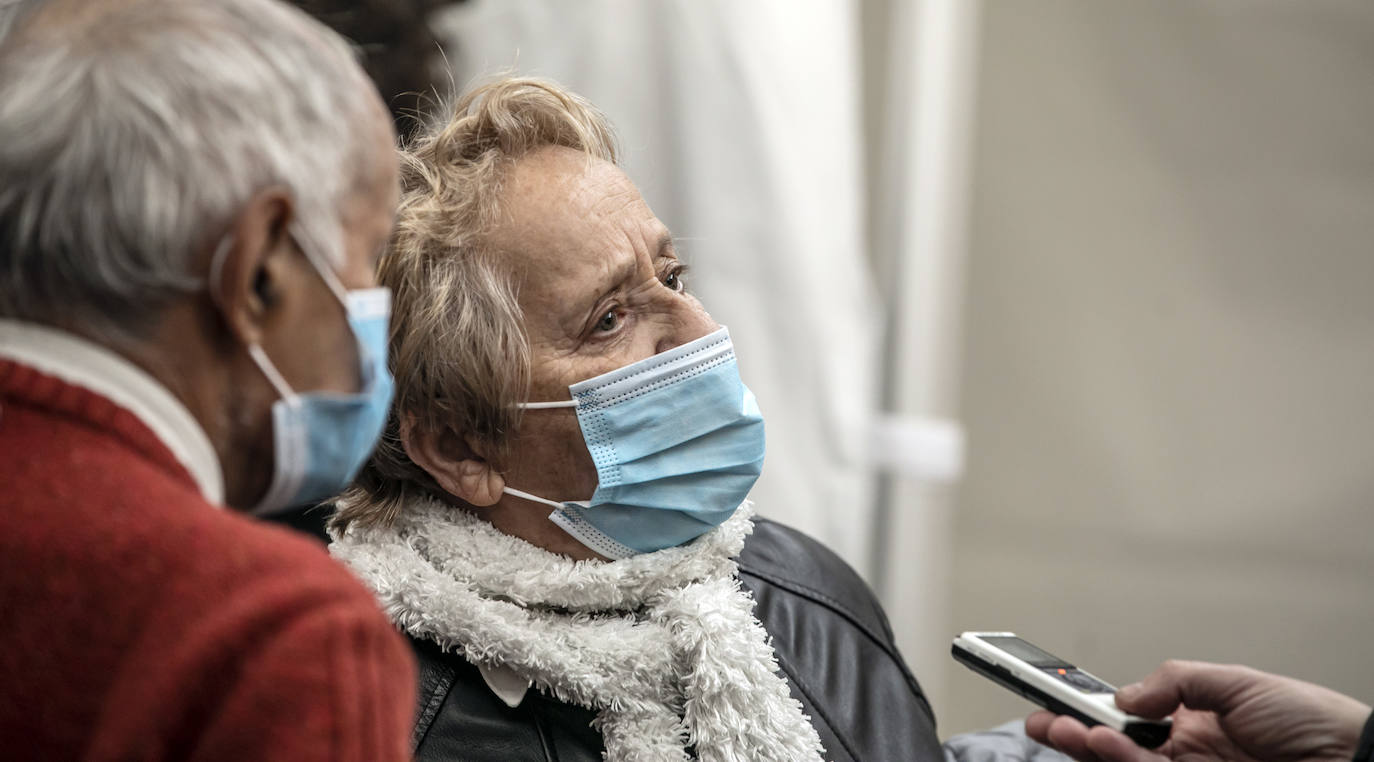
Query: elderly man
x=192, y=197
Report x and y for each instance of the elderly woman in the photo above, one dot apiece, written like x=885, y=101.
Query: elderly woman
x=557, y=514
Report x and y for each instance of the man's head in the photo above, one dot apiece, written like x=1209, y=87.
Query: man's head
x=142, y=139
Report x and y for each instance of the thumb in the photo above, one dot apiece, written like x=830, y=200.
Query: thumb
x=1194, y=684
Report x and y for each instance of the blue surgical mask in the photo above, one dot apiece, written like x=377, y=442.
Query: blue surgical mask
x=678, y=443
x=321, y=439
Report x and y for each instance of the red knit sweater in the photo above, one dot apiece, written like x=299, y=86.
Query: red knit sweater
x=139, y=622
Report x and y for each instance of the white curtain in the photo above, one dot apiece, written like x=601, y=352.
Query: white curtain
x=922, y=120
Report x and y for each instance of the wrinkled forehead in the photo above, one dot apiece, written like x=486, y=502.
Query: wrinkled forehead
x=562, y=211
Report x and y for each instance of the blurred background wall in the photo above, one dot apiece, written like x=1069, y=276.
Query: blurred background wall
x=1168, y=377
x=1115, y=256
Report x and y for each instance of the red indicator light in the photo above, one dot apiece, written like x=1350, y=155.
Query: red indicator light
x=1063, y=672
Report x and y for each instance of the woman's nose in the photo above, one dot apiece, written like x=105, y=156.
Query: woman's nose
x=690, y=322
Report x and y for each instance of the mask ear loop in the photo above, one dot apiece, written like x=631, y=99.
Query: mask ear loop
x=327, y=274
x=255, y=353
x=547, y=405
x=535, y=498
x=274, y=377
x=540, y=406
x=365, y=299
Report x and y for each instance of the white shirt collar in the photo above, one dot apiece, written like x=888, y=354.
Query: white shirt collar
x=91, y=366
x=505, y=683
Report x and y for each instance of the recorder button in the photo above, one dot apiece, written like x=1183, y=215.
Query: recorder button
x=1086, y=682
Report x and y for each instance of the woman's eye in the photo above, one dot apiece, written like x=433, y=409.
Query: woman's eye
x=673, y=280
x=608, y=322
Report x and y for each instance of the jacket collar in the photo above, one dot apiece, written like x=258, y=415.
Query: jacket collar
x=83, y=363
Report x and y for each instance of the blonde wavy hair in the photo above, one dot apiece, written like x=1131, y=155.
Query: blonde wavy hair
x=458, y=348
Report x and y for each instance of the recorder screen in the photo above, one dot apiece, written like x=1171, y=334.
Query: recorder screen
x=1026, y=652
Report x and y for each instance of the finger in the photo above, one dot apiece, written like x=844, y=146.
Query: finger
x=1112, y=746
x=1071, y=737
x=1038, y=726
x=1195, y=684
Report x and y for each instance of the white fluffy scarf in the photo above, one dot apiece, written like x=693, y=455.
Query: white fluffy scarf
x=664, y=646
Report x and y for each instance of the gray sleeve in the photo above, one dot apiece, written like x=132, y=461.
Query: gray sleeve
x=1005, y=743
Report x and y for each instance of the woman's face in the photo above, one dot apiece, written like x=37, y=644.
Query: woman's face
x=600, y=286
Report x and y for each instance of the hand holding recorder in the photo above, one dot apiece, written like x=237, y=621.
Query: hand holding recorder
x=1054, y=683
x=1220, y=712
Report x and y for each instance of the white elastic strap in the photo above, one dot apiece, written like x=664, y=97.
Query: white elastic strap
x=321, y=266
x=579, y=529
x=528, y=496
x=546, y=405
x=268, y=369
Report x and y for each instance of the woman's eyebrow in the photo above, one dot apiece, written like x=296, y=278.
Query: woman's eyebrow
x=665, y=246
x=615, y=279
x=618, y=277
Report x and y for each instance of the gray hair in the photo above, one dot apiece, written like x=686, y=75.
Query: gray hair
x=9, y=11
x=131, y=133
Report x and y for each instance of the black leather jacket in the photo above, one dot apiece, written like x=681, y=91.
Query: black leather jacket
x=831, y=638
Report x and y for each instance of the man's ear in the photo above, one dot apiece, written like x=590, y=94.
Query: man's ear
x=245, y=278
x=458, y=467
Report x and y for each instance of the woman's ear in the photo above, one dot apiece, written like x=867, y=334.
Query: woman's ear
x=456, y=466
